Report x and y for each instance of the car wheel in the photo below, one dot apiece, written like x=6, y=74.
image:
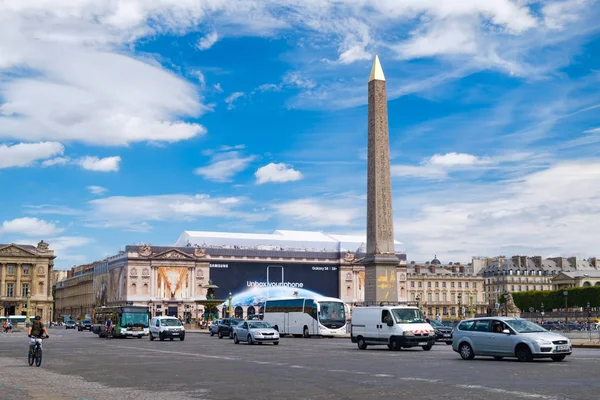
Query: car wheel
x=395, y=345
x=523, y=353
x=212, y=333
x=231, y=335
x=161, y=337
x=449, y=343
x=305, y=333
x=275, y=343
x=558, y=358
x=427, y=348
x=235, y=339
x=498, y=358
x=220, y=335
x=182, y=338
x=151, y=337
x=250, y=341
x=361, y=343
x=171, y=339
x=466, y=351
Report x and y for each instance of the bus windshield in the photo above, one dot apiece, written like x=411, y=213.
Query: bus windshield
x=332, y=311
x=408, y=316
x=131, y=320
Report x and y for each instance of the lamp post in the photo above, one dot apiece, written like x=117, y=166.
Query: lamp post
x=566, y=294
x=460, y=305
x=471, y=310
x=505, y=303
x=27, y=320
x=230, y=308
x=589, y=314
x=542, y=312
x=419, y=301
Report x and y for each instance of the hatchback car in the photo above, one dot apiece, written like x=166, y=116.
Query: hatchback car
x=255, y=332
x=214, y=327
x=70, y=324
x=508, y=337
x=225, y=327
x=443, y=333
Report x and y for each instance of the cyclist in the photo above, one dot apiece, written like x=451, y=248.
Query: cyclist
x=36, y=330
x=108, y=326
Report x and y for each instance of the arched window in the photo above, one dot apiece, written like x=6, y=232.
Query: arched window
x=145, y=289
x=348, y=291
x=239, y=312
x=586, y=284
x=40, y=288
x=133, y=289
x=251, y=310
x=597, y=284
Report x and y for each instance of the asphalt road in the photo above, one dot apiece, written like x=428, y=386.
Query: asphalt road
x=79, y=365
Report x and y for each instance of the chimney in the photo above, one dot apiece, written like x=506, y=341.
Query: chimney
x=573, y=262
x=432, y=268
x=461, y=269
x=516, y=260
x=594, y=262
x=524, y=261
x=454, y=269
x=417, y=269
x=537, y=260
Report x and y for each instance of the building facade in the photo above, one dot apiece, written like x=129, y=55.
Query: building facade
x=522, y=274
x=573, y=279
x=74, y=296
x=26, y=271
x=451, y=291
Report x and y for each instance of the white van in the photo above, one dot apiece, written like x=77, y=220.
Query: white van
x=394, y=326
x=166, y=327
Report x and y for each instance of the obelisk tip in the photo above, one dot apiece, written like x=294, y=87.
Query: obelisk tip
x=376, y=71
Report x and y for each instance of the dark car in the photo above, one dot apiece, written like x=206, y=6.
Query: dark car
x=85, y=325
x=443, y=333
x=70, y=325
x=225, y=327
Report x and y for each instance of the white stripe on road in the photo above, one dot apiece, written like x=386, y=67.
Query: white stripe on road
x=508, y=392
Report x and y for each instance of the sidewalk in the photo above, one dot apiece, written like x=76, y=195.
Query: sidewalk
x=585, y=344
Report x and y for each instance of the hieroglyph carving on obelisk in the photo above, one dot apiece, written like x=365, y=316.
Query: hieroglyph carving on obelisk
x=380, y=261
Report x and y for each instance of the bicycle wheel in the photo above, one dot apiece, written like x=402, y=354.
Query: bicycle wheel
x=38, y=358
x=30, y=357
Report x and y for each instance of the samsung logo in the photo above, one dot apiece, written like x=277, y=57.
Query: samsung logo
x=219, y=265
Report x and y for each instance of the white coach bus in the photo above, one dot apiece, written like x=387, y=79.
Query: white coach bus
x=307, y=316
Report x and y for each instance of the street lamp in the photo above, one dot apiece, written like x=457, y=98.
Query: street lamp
x=542, y=312
x=27, y=320
x=230, y=308
x=566, y=294
x=419, y=301
x=460, y=305
x=589, y=314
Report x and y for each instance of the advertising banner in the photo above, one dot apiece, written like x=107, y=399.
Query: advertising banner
x=238, y=277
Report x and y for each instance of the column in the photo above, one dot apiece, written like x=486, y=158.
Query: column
x=3, y=268
x=17, y=290
x=193, y=282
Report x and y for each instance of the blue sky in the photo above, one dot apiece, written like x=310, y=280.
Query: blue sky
x=127, y=122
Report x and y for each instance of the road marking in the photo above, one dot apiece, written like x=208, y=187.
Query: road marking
x=419, y=379
x=384, y=375
x=179, y=353
x=508, y=392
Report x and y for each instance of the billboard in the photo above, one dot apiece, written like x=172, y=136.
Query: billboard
x=237, y=277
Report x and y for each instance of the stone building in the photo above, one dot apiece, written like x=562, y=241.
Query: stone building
x=26, y=270
x=572, y=279
x=74, y=296
x=522, y=273
x=451, y=290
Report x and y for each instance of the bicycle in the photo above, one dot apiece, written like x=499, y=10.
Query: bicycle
x=35, y=355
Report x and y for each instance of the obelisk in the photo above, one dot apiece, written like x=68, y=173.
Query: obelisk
x=380, y=261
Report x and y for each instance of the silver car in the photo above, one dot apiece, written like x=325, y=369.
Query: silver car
x=501, y=337
x=255, y=332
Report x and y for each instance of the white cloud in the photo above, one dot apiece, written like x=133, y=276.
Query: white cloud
x=26, y=154
x=273, y=172
x=138, y=212
x=224, y=166
x=56, y=161
x=107, y=164
x=595, y=130
x=551, y=212
x=318, y=213
x=64, y=247
x=232, y=98
x=97, y=189
x=218, y=88
x=208, y=41
x=438, y=166
x=30, y=227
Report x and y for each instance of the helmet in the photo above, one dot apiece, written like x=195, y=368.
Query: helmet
x=37, y=317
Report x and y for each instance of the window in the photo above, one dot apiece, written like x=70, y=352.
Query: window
x=9, y=289
x=25, y=290
x=466, y=325
x=481, y=325
x=512, y=288
x=466, y=285
x=430, y=310
x=474, y=285
x=412, y=297
x=453, y=298
x=429, y=297
x=443, y=284
x=428, y=284
x=11, y=269
x=444, y=298
x=437, y=299
x=25, y=269
x=451, y=284
x=420, y=284
x=437, y=284
x=520, y=288
x=412, y=283
x=460, y=284
x=453, y=310
x=445, y=310
x=527, y=288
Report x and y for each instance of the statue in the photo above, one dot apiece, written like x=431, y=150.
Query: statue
x=145, y=250
x=349, y=256
x=210, y=293
x=42, y=246
x=199, y=253
x=511, y=307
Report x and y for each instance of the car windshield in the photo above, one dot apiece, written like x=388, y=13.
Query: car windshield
x=258, y=325
x=436, y=324
x=524, y=326
x=236, y=321
x=171, y=322
x=332, y=311
x=131, y=320
x=86, y=321
x=408, y=316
